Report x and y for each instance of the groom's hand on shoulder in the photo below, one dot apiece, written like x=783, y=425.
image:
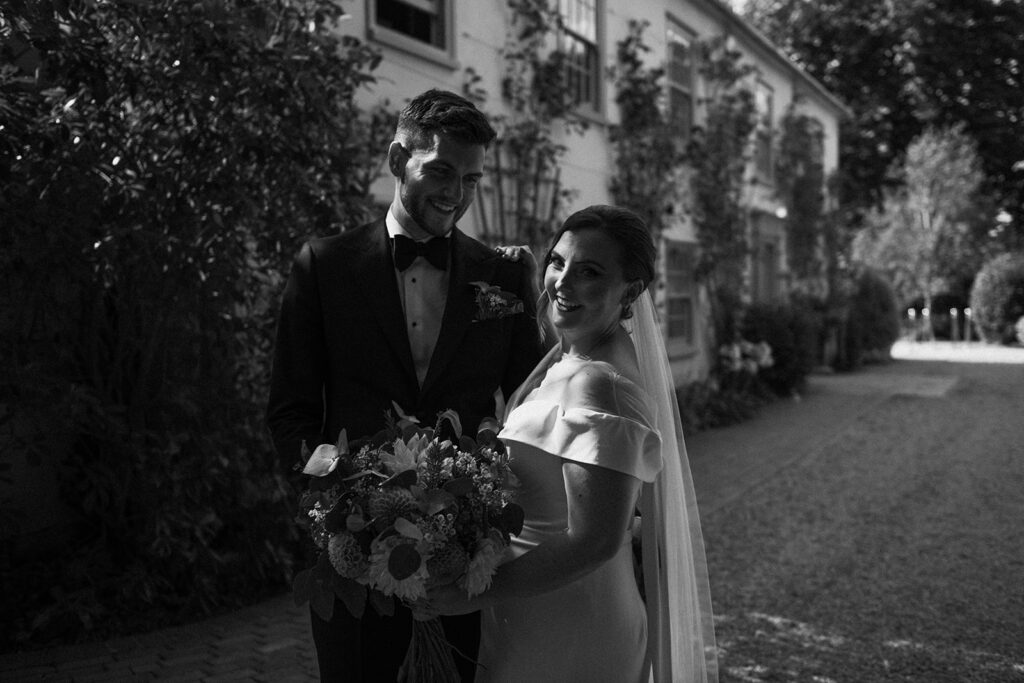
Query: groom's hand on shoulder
x=519, y=253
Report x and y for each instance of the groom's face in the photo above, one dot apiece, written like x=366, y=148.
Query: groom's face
x=435, y=184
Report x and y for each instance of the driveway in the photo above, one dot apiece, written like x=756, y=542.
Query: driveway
x=873, y=530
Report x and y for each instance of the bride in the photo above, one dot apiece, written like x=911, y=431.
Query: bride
x=594, y=433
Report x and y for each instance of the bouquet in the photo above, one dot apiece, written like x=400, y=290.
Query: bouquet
x=405, y=510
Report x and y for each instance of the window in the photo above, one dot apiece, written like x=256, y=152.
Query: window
x=578, y=42
x=767, y=274
x=680, y=259
x=768, y=287
x=423, y=27
x=817, y=141
x=764, y=98
x=680, y=78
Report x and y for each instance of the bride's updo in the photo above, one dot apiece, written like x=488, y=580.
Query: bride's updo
x=630, y=232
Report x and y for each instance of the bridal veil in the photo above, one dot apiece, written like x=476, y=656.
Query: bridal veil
x=681, y=636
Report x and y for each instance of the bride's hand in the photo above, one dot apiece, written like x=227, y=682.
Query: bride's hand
x=451, y=600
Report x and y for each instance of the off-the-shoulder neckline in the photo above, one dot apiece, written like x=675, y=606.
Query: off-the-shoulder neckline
x=587, y=359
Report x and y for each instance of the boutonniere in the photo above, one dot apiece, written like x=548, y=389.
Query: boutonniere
x=493, y=302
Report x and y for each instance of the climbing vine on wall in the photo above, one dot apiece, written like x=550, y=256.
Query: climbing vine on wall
x=718, y=155
x=524, y=194
x=800, y=182
x=649, y=155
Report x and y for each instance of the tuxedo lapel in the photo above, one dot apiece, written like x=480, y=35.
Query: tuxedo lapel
x=460, y=307
x=374, y=270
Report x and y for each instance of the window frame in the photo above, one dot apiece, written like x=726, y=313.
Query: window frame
x=565, y=32
x=680, y=285
x=764, y=154
x=686, y=37
x=444, y=56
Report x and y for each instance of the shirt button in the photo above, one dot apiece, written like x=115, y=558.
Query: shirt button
x=414, y=280
x=414, y=324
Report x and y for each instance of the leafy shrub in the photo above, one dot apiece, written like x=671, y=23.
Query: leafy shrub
x=997, y=298
x=872, y=323
x=156, y=178
x=792, y=332
x=705, y=405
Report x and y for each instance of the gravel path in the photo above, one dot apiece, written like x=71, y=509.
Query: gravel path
x=886, y=543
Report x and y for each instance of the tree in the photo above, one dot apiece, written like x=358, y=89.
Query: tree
x=159, y=164
x=902, y=66
x=940, y=178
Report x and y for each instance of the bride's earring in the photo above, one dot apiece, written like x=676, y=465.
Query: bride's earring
x=628, y=299
x=627, y=313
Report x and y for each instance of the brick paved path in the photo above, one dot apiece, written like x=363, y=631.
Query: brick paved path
x=267, y=642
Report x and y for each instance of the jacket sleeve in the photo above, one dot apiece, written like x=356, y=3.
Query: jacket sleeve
x=526, y=348
x=295, y=409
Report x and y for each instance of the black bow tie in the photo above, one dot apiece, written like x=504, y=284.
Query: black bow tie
x=435, y=250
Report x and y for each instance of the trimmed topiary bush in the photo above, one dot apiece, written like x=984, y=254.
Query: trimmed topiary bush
x=875, y=303
x=872, y=320
x=997, y=299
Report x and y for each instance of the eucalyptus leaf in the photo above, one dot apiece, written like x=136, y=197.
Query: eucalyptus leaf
x=351, y=593
x=403, y=479
x=408, y=529
x=460, y=486
x=322, y=600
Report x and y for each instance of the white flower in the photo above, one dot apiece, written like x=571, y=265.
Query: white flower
x=482, y=566
x=411, y=588
x=407, y=455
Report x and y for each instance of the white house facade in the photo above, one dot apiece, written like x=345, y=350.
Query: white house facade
x=432, y=43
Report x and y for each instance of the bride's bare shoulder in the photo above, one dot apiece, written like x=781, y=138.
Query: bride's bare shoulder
x=595, y=382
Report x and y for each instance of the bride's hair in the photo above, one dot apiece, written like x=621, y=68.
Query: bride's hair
x=629, y=231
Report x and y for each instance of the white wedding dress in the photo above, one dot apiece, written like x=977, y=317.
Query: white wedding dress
x=594, y=629
x=598, y=628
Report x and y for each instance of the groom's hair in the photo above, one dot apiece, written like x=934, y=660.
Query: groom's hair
x=443, y=112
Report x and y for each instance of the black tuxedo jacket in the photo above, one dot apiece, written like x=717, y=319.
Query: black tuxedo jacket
x=343, y=355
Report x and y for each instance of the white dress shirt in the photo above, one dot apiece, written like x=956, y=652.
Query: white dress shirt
x=423, y=290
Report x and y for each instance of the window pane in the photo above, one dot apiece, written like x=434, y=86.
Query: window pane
x=581, y=69
x=422, y=20
x=680, y=104
x=680, y=63
x=763, y=154
x=680, y=318
x=680, y=259
x=580, y=17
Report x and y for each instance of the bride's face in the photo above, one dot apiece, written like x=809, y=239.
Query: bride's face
x=586, y=285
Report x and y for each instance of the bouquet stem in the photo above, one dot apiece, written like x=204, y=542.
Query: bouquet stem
x=429, y=657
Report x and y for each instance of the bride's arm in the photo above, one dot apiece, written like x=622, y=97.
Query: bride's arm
x=600, y=510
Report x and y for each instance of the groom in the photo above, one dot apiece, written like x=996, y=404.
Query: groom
x=388, y=312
